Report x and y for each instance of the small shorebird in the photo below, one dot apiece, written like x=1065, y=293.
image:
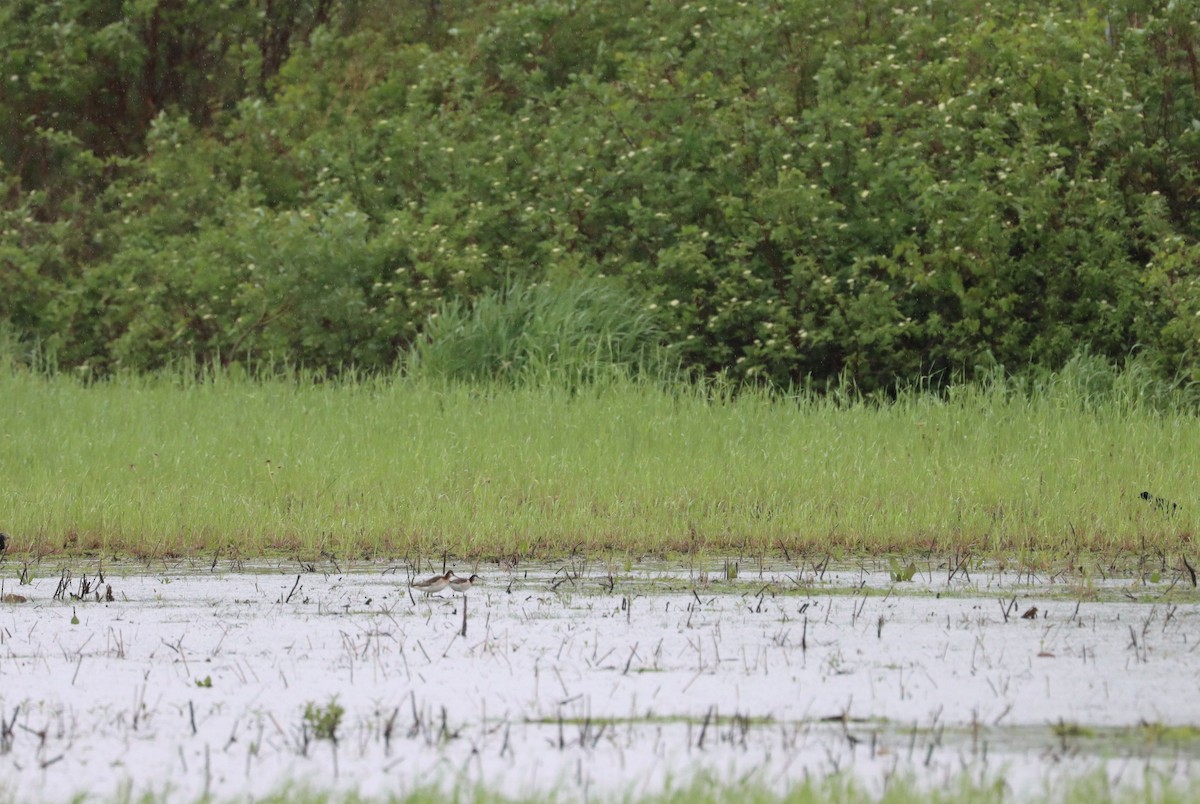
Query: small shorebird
x=460, y=584
x=435, y=584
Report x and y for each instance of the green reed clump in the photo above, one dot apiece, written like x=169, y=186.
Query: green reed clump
x=565, y=333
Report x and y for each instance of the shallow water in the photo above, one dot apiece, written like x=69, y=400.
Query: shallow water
x=577, y=681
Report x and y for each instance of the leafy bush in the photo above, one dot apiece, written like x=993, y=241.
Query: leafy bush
x=798, y=193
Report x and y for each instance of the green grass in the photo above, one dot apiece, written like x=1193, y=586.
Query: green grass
x=567, y=334
x=840, y=789
x=394, y=467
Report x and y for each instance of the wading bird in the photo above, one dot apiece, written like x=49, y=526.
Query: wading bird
x=460, y=584
x=433, y=585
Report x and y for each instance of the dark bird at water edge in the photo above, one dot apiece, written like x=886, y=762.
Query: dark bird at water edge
x=1159, y=502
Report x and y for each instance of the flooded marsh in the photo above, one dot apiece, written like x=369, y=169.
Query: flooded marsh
x=577, y=682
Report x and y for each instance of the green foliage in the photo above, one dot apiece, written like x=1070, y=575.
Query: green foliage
x=562, y=335
x=323, y=721
x=799, y=193
x=100, y=72
x=901, y=573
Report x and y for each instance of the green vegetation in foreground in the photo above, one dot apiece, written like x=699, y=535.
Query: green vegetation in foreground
x=839, y=789
x=389, y=467
x=1093, y=740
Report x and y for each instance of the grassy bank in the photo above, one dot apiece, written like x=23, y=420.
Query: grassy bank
x=170, y=466
x=843, y=788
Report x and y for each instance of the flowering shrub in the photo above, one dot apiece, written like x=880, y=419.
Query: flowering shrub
x=799, y=192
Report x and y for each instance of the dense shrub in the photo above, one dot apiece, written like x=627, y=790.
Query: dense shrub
x=795, y=192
